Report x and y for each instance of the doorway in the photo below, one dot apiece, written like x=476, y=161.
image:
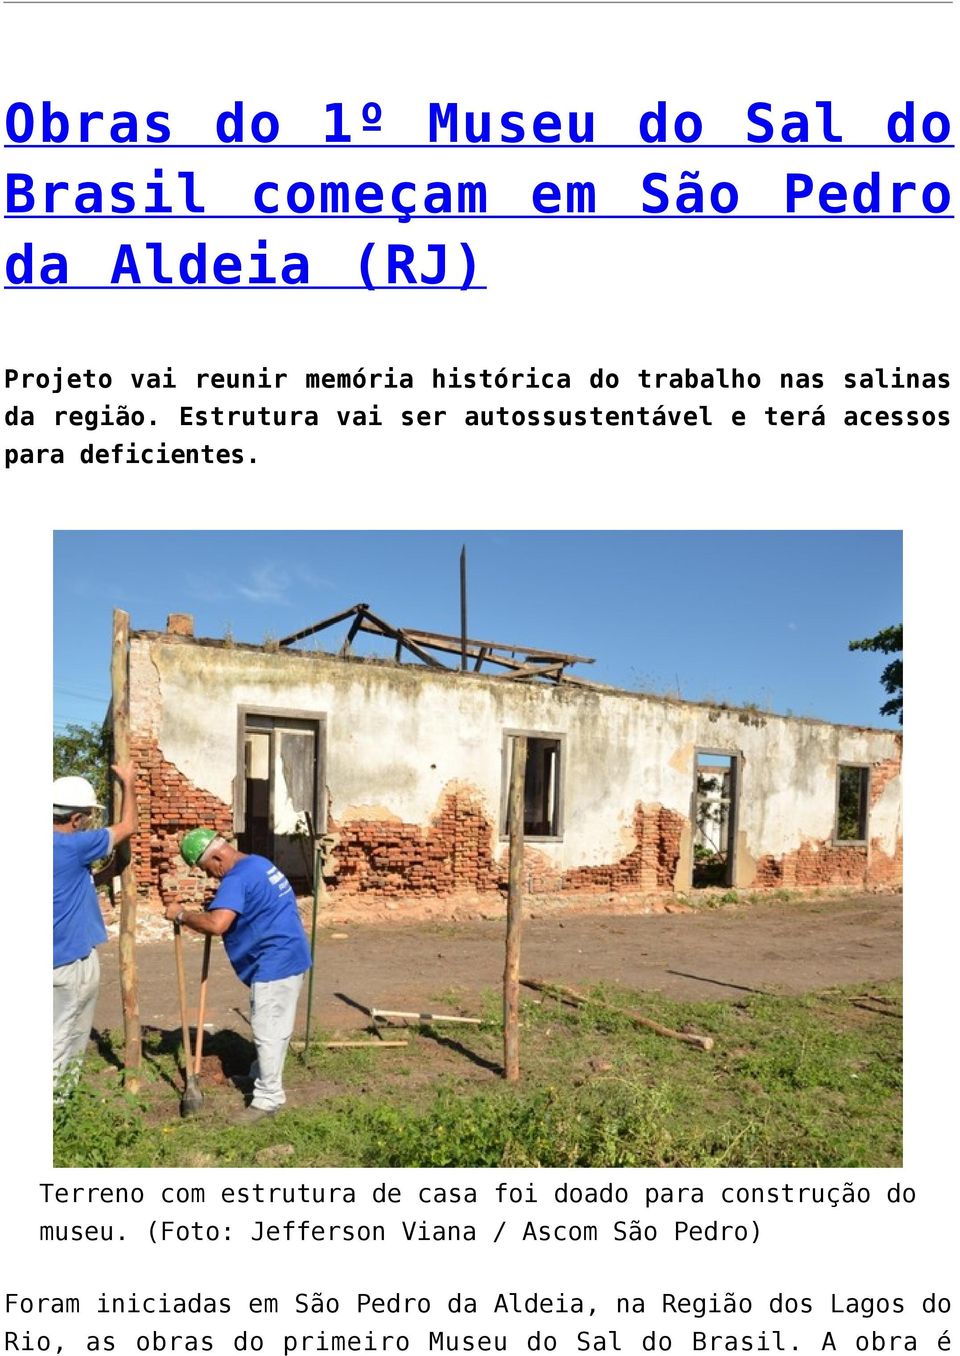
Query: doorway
x=716, y=786
x=279, y=783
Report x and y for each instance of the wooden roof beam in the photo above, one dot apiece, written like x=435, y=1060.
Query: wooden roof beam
x=553, y=671
x=430, y=636
x=322, y=625
x=396, y=633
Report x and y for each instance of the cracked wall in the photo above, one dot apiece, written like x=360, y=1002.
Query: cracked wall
x=413, y=770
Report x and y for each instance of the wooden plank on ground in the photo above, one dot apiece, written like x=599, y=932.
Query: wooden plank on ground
x=577, y=999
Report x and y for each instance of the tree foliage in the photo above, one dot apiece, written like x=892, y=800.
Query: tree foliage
x=888, y=641
x=84, y=751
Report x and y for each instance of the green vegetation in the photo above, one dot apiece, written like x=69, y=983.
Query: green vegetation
x=84, y=751
x=716, y=898
x=809, y=1081
x=888, y=641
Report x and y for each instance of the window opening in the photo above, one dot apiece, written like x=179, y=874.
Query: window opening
x=542, y=801
x=853, y=786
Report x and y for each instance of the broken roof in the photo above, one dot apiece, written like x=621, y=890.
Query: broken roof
x=424, y=645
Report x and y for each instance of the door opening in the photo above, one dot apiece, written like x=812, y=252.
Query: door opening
x=715, y=806
x=280, y=777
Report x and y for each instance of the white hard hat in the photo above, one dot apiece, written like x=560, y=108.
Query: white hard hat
x=74, y=793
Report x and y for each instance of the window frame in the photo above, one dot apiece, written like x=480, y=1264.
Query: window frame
x=864, y=770
x=506, y=748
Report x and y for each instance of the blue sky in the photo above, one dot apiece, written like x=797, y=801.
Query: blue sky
x=740, y=617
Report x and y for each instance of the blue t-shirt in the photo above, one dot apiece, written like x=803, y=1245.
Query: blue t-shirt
x=266, y=939
x=77, y=924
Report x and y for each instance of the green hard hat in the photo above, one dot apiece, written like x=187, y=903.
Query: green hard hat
x=194, y=844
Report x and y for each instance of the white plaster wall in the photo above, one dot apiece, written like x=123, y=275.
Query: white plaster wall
x=886, y=816
x=397, y=737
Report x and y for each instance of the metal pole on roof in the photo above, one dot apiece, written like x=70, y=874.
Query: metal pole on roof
x=463, y=609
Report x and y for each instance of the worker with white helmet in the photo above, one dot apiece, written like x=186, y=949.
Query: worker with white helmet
x=77, y=924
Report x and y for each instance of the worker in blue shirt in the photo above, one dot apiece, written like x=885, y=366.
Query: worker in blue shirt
x=255, y=912
x=77, y=923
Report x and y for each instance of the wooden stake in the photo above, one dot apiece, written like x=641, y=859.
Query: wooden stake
x=317, y=889
x=378, y=1013
x=354, y=1045
x=581, y=1000
x=362, y=1045
x=511, y=966
x=129, y=989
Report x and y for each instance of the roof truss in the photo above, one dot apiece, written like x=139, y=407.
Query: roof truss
x=522, y=662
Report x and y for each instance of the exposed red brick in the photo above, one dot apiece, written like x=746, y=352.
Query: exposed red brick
x=168, y=804
x=880, y=775
x=453, y=853
x=884, y=869
x=826, y=864
x=650, y=866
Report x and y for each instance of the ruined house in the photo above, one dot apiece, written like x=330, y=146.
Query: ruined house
x=407, y=765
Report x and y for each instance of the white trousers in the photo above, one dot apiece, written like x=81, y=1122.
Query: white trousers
x=273, y=1011
x=74, y=999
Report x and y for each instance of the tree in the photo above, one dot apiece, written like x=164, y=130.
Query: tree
x=888, y=641
x=84, y=751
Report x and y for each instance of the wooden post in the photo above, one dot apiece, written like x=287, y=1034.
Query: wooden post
x=129, y=989
x=511, y=968
x=317, y=891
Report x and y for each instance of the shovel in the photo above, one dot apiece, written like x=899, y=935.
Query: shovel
x=192, y=1100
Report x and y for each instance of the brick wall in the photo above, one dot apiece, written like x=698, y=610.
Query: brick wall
x=827, y=863
x=168, y=804
x=451, y=855
x=880, y=775
x=650, y=866
x=814, y=864
x=454, y=855
x=884, y=869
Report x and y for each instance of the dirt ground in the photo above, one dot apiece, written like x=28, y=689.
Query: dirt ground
x=787, y=947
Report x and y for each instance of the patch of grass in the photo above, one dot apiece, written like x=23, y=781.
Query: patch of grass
x=705, y=897
x=809, y=1081
x=91, y=1128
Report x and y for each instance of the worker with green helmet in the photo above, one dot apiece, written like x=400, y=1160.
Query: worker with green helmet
x=255, y=912
x=77, y=922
